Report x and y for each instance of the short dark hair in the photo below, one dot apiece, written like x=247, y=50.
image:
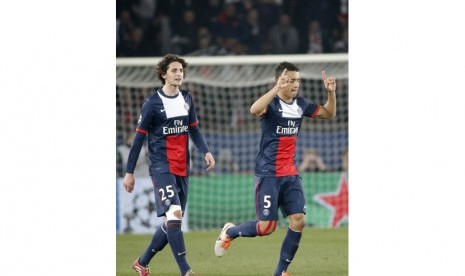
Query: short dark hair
x=162, y=66
x=285, y=65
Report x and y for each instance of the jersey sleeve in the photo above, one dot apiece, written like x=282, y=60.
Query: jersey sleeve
x=309, y=108
x=145, y=121
x=134, y=152
x=146, y=117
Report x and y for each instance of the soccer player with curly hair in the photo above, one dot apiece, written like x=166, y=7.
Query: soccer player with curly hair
x=168, y=118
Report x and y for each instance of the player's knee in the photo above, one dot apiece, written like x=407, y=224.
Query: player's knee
x=174, y=213
x=297, y=222
x=265, y=228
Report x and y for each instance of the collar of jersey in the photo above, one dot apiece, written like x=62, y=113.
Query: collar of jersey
x=291, y=103
x=166, y=96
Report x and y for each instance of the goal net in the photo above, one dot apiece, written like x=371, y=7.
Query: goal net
x=224, y=89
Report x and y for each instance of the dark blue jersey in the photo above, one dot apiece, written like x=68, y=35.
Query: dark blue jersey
x=168, y=120
x=280, y=128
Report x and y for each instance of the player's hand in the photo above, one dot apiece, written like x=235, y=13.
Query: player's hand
x=283, y=81
x=210, y=161
x=129, y=182
x=330, y=83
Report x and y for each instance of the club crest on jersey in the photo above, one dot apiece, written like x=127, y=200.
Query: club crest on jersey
x=186, y=106
x=266, y=212
x=167, y=202
x=299, y=111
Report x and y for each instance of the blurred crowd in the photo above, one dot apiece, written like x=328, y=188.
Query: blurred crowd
x=234, y=27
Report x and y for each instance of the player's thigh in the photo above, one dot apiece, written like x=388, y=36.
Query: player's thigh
x=166, y=192
x=292, y=196
x=182, y=183
x=266, y=198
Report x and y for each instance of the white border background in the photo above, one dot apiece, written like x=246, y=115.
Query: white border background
x=57, y=203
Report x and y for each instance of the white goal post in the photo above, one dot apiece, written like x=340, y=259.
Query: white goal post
x=232, y=69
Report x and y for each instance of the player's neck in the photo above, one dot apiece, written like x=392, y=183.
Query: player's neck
x=284, y=98
x=170, y=90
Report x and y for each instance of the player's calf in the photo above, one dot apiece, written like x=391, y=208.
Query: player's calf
x=265, y=228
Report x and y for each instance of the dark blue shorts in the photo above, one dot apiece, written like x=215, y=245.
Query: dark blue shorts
x=273, y=193
x=170, y=189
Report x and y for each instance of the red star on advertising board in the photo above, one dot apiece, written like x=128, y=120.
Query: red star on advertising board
x=337, y=202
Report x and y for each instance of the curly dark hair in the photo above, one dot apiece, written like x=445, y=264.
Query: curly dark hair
x=162, y=66
x=285, y=65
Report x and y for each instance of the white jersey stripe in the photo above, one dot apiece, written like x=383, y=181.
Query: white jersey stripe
x=174, y=107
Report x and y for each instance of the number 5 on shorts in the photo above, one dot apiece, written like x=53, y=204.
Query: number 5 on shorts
x=266, y=200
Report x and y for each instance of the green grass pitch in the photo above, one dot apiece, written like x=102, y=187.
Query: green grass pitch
x=322, y=252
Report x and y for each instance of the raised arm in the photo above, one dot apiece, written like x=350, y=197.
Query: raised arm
x=328, y=110
x=258, y=108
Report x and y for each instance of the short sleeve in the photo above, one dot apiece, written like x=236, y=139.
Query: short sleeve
x=310, y=109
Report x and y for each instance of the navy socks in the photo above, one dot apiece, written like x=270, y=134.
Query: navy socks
x=176, y=241
x=246, y=229
x=288, y=250
x=159, y=241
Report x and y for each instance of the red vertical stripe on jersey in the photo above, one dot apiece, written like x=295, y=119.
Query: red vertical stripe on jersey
x=285, y=156
x=176, y=147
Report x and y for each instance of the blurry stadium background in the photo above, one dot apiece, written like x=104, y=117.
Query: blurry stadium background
x=224, y=83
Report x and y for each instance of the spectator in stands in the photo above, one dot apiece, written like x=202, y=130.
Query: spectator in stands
x=234, y=47
x=208, y=16
x=205, y=46
x=144, y=10
x=230, y=26
x=157, y=37
x=341, y=45
x=270, y=11
x=229, y=19
x=185, y=36
x=135, y=47
x=284, y=37
x=164, y=35
x=255, y=33
x=124, y=33
x=143, y=163
x=315, y=38
x=312, y=162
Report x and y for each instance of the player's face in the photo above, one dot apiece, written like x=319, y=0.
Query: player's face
x=175, y=74
x=294, y=79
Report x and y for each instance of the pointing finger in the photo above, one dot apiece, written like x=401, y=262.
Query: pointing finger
x=323, y=75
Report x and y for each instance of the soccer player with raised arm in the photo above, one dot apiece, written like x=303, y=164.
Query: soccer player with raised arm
x=277, y=181
x=168, y=119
